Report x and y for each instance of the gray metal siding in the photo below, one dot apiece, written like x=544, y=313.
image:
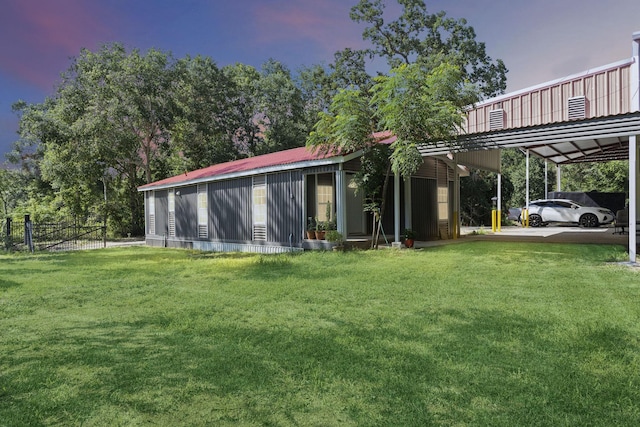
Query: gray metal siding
x=428, y=168
x=353, y=165
x=424, y=208
x=187, y=213
x=230, y=210
x=285, y=203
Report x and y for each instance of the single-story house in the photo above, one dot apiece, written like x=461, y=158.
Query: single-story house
x=263, y=203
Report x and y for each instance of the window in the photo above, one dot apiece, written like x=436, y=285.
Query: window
x=443, y=203
x=260, y=208
x=172, y=212
x=152, y=213
x=324, y=197
x=260, y=204
x=203, y=228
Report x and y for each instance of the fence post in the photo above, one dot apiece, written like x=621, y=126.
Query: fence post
x=28, y=233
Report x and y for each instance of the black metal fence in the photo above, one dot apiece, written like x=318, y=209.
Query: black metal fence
x=62, y=236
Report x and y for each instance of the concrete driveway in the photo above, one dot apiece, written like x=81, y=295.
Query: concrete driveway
x=555, y=234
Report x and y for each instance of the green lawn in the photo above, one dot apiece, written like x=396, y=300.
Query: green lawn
x=470, y=334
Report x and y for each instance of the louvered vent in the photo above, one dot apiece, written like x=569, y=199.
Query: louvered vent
x=172, y=224
x=259, y=232
x=203, y=231
x=152, y=224
x=496, y=119
x=577, y=107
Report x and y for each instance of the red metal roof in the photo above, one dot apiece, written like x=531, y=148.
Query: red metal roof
x=280, y=158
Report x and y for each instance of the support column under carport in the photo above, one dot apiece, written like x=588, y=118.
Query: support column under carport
x=341, y=202
x=396, y=207
x=633, y=196
x=456, y=198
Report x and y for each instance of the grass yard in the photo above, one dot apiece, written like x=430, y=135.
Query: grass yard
x=471, y=334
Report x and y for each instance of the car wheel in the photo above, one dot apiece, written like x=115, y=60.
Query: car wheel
x=588, y=220
x=535, y=220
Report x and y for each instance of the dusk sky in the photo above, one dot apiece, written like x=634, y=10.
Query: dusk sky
x=539, y=40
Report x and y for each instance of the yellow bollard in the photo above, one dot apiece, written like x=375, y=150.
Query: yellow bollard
x=499, y=221
x=493, y=220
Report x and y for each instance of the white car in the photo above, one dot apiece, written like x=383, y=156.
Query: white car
x=543, y=212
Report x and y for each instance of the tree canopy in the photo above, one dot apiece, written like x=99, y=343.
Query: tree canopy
x=419, y=36
x=121, y=118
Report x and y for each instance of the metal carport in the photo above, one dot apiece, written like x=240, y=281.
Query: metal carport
x=544, y=121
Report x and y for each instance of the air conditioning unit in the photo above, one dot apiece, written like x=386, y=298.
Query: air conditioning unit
x=577, y=108
x=496, y=119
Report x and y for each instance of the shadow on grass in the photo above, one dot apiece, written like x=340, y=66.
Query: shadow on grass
x=6, y=284
x=439, y=367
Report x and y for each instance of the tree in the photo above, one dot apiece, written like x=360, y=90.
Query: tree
x=247, y=106
x=121, y=106
x=13, y=190
x=417, y=104
x=271, y=108
x=418, y=36
x=610, y=176
x=207, y=119
x=108, y=120
x=320, y=84
x=477, y=190
x=420, y=104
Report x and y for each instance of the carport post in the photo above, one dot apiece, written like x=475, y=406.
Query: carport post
x=633, y=196
x=558, y=186
x=546, y=179
x=525, y=221
x=396, y=207
x=633, y=150
x=499, y=202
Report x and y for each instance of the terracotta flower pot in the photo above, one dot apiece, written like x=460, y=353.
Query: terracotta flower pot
x=408, y=243
x=320, y=235
x=311, y=234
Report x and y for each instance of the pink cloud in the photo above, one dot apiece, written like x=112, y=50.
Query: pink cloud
x=325, y=23
x=39, y=37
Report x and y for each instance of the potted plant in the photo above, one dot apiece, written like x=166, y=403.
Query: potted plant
x=311, y=228
x=335, y=237
x=409, y=237
x=321, y=228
